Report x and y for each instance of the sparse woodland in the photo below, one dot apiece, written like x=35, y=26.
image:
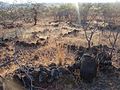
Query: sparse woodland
x=60, y=46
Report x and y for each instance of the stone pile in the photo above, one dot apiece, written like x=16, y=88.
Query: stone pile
x=40, y=75
x=88, y=65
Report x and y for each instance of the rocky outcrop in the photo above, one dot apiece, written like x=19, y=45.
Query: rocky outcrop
x=88, y=68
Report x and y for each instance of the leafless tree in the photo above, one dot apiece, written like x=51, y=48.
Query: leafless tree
x=111, y=17
x=35, y=15
x=113, y=37
x=90, y=24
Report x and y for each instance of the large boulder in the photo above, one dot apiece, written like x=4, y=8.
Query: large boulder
x=88, y=68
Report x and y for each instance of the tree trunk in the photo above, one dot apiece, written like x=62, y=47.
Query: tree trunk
x=35, y=17
x=35, y=21
x=89, y=44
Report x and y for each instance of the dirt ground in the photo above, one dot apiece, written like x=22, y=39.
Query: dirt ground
x=54, y=51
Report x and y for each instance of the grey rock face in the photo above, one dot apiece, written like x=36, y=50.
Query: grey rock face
x=88, y=68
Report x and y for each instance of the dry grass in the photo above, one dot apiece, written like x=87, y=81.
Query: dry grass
x=53, y=52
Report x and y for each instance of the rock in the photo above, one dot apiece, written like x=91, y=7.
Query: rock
x=80, y=52
x=63, y=71
x=104, y=60
x=88, y=68
x=56, y=25
x=79, y=55
x=3, y=45
x=118, y=69
x=26, y=81
x=25, y=44
x=7, y=40
x=105, y=48
x=71, y=33
x=22, y=78
x=74, y=66
x=18, y=79
x=43, y=74
x=8, y=26
x=54, y=75
x=19, y=71
x=1, y=83
x=1, y=87
x=94, y=50
x=31, y=69
x=52, y=65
